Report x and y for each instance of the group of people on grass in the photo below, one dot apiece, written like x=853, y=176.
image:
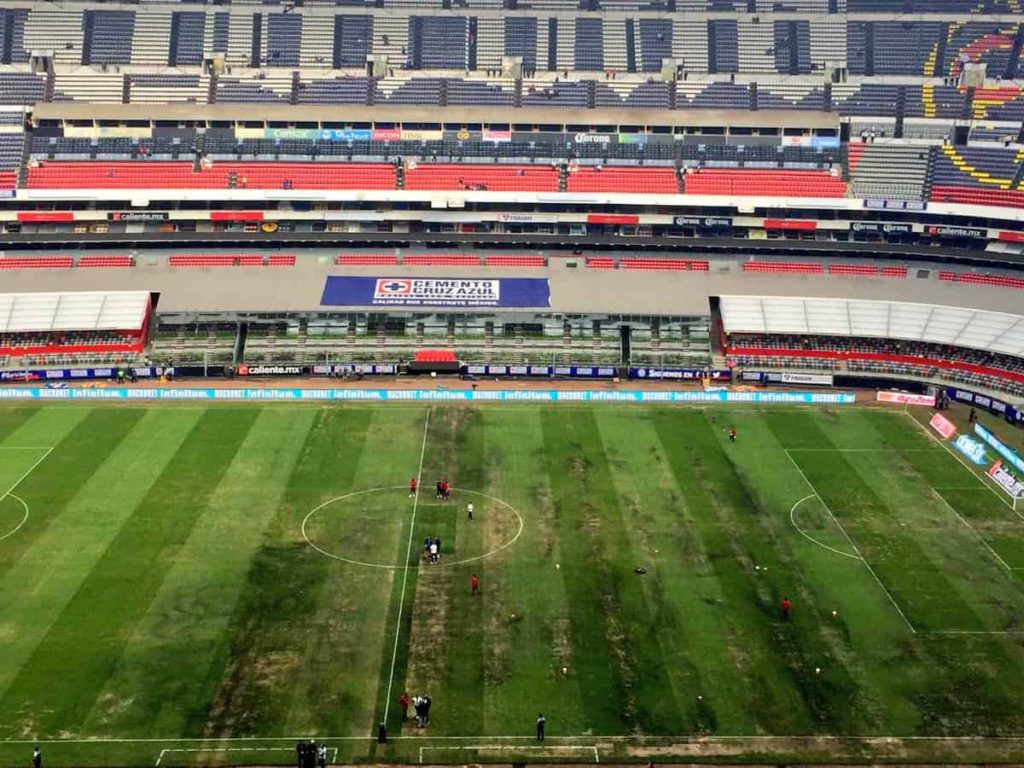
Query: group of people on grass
x=420, y=705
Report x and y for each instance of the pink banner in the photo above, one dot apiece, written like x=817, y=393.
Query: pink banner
x=943, y=426
x=905, y=397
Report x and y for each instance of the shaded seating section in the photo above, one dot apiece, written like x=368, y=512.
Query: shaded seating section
x=493, y=178
x=106, y=261
x=36, y=262
x=927, y=359
x=222, y=175
x=784, y=267
x=338, y=90
x=365, y=260
x=774, y=183
x=619, y=180
x=888, y=171
x=499, y=260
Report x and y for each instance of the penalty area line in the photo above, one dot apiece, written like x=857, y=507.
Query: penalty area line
x=853, y=546
x=514, y=747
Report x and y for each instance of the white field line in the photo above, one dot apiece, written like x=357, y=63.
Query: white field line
x=966, y=466
x=682, y=737
x=810, y=538
x=506, y=747
x=861, y=450
x=867, y=565
x=168, y=750
x=972, y=529
x=405, y=572
x=28, y=471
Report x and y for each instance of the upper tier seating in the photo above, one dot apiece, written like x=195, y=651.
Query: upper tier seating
x=775, y=183
x=222, y=175
x=493, y=178
x=982, y=176
x=660, y=181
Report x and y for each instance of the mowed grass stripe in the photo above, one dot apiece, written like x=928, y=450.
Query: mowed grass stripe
x=169, y=670
x=446, y=640
x=784, y=694
x=840, y=614
x=82, y=439
x=680, y=589
x=61, y=557
x=526, y=596
x=615, y=648
x=81, y=649
x=303, y=641
x=12, y=417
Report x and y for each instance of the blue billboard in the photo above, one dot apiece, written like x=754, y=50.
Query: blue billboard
x=349, y=291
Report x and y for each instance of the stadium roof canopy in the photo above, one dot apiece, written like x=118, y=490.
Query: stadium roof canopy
x=80, y=311
x=992, y=331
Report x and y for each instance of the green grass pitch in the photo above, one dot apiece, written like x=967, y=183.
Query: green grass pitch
x=183, y=585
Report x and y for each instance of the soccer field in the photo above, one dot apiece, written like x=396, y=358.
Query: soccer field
x=183, y=585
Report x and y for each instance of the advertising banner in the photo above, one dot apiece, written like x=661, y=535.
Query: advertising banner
x=951, y=231
x=1005, y=480
x=269, y=370
x=819, y=379
x=1012, y=458
x=943, y=426
x=421, y=135
x=489, y=134
x=406, y=395
x=882, y=227
x=680, y=374
x=386, y=134
x=702, y=221
x=347, y=291
x=970, y=448
x=906, y=398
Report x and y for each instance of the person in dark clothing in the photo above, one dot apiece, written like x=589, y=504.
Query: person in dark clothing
x=37, y=757
x=426, y=710
x=321, y=755
x=300, y=752
x=541, y=722
x=972, y=417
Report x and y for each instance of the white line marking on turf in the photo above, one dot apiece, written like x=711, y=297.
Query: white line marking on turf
x=963, y=461
x=388, y=567
x=10, y=491
x=405, y=573
x=973, y=530
x=24, y=517
x=853, y=546
x=810, y=538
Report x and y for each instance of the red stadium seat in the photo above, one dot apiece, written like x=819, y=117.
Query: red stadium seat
x=366, y=260
x=783, y=267
x=660, y=181
x=515, y=261
x=36, y=262
x=175, y=175
x=773, y=183
x=106, y=261
x=281, y=260
x=491, y=178
x=600, y=262
x=1004, y=198
x=441, y=260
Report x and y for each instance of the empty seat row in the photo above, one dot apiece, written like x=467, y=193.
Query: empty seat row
x=784, y=267
x=774, y=183
x=623, y=180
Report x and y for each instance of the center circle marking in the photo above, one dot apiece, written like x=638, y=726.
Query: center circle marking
x=334, y=556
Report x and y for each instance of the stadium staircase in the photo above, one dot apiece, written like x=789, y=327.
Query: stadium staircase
x=630, y=45
x=517, y=95
x=901, y=107
x=1015, y=52
x=240, y=339
x=211, y=90
x=753, y=97
x=26, y=152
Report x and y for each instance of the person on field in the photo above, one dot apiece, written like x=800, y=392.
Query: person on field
x=413, y=485
x=403, y=702
x=426, y=547
x=446, y=490
x=426, y=710
x=37, y=757
x=440, y=489
x=732, y=434
x=434, y=552
x=785, y=607
x=321, y=755
x=541, y=722
x=469, y=511
x=474, y=585
x=300, y=754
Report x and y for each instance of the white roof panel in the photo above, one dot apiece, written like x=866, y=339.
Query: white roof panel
x=990, y=331
x=76, y=311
